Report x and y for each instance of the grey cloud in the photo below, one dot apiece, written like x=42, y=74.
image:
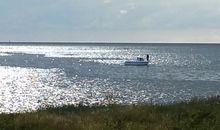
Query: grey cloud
x=27, y=16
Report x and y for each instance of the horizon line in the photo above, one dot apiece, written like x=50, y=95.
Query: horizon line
x=108, y=42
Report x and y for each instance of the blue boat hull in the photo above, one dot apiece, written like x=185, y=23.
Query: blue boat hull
x=136, y=63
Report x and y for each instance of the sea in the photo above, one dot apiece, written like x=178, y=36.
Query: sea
x=38, y=75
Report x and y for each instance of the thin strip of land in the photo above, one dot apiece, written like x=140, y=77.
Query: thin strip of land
x=197, y=114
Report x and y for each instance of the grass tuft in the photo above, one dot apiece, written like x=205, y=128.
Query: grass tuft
x=197, y=114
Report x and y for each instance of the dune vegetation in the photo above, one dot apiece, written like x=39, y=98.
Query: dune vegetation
x=197, y=114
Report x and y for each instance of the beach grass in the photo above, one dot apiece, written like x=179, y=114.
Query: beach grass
x=196, y=114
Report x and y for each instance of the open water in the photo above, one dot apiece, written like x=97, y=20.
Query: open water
x=34, y=76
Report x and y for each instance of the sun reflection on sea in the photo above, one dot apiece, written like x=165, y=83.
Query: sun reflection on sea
x=27, y=89
x=33, y=77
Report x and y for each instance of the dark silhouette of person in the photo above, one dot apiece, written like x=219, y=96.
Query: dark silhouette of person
x=147, y=57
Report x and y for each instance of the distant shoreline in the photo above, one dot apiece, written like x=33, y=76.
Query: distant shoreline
x=105, y=43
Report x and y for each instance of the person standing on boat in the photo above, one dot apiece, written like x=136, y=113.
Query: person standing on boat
x=147, y=57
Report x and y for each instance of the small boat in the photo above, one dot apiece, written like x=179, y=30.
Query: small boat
x=138, y=62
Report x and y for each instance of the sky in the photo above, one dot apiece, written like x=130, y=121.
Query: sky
x=110, y=20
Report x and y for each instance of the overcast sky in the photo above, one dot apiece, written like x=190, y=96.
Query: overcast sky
x=110, y=20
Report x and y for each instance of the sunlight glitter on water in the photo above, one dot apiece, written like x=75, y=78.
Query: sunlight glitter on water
x=4, y=54
x=96, y=53
x=33, y=77
x=28, y=89
x=25, y=89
